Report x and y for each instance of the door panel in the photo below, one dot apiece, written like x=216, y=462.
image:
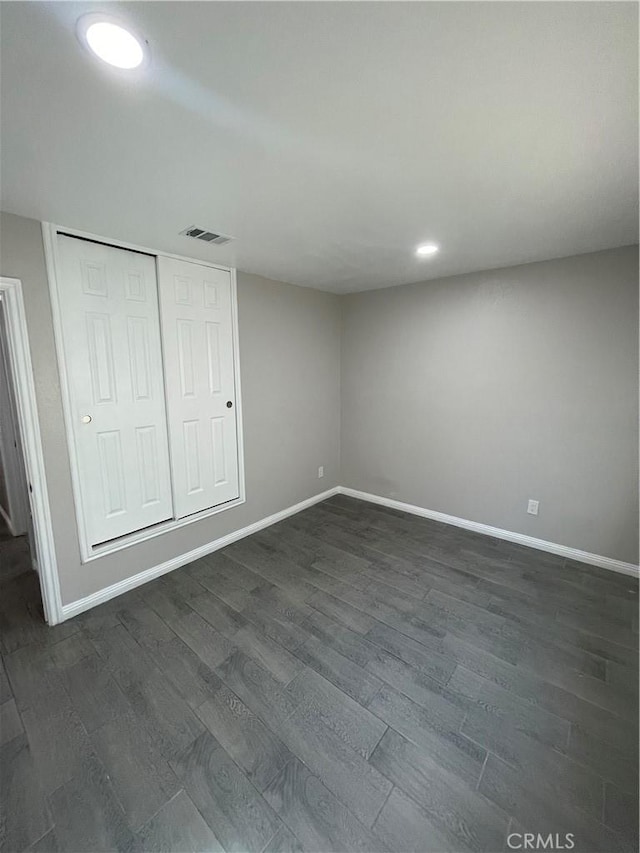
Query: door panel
x=111, y=339
x=197, y=333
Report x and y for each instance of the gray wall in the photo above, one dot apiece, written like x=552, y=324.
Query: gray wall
x=466, y=395
x=471, y=394
x=290, y=370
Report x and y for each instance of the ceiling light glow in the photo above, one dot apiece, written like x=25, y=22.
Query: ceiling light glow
x=111, y=41
x=427, y=249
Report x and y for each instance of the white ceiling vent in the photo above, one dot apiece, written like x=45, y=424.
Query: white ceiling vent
x=206, y=236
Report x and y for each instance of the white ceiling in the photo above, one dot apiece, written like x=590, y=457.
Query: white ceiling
x=331, y=138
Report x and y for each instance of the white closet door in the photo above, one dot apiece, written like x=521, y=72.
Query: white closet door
x=197, y=335
x=111, y=338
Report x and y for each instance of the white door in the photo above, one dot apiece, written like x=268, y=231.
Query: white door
x=111, y=339
x=197, y=336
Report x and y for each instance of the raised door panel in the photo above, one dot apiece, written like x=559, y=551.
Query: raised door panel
x=197, y=331
x=111, y=338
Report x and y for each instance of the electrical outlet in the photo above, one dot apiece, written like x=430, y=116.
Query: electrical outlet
x=532, y=507
x=321, y=472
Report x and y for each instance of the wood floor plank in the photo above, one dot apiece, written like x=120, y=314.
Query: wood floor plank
x=223, y=618
x=182, y=585
x=171, y=722
x=271, y=655
x=335, y=635
x=403, y=825
x=453, y=751
x=192, y=678
x=10, y=722
x=621, y=812
x=47, y=844
x=145, y=626
x=544, y=695
x=93, y=622
x=315, y=815
x=218, y=566
x=276, y=569
x=257, y=688
x=22, y=619
x=353, y=723
x=170, y=607
x=177, y=826
x=453, y=806
x=386, y=681
x=505, y=708
x=445, y=716
x=345, y=674
x=71, y=650
x=210, y=645
x=251, y=744
x=277, y=616
x=353, y=780
x=422, y=689
x=94, y=693
x=238, y=815
x=614, y=629
x=430, y=663
x=538, y=807
x=228, y=590
x=24, y=814
x=87, y=813
x=618, y=765
x=284, y=841
x=59, y=744
x=140, y=776
x=123, y=657
x=35, y=680
x=6, y=692
x=339, y=610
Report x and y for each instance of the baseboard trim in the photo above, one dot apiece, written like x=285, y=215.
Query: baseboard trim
x=109, y=592
x=498, y=533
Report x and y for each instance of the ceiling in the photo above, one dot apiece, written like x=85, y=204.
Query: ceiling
x=331, y=138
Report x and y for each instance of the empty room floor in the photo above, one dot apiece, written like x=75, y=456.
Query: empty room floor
x=352, y=678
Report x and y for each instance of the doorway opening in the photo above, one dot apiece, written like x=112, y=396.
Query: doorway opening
x=16, y=529
x=26, y=533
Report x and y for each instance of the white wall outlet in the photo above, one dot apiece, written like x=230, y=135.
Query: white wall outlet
x=321, y=472
x=532, y=507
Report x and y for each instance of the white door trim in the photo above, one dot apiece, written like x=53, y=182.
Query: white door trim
x=87, y=552
x=29, y=425
x=16, y=513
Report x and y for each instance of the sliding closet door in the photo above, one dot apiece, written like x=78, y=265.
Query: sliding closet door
x=111, y=337
x=197, y=334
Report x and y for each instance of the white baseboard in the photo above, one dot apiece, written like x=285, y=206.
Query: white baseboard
x=109, y=592
x=498, y=533
x=106, y=594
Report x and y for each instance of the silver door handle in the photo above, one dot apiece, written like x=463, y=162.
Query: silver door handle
x=86, y=419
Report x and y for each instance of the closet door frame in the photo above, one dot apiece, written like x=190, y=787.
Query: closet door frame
x=88, y=552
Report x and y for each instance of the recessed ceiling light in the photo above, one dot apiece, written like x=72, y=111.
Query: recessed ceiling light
x=111, y=41
x=427, y=249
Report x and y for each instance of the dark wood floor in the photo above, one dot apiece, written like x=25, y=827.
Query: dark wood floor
x=350, y=679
